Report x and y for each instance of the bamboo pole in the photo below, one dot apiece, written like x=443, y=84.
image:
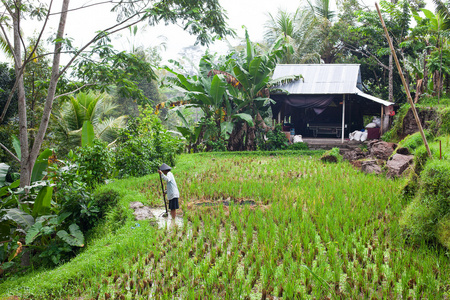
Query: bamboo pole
x=343, y=119
x=408, y=95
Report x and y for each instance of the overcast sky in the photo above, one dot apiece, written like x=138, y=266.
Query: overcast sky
x=249, y=13
x=83, y=23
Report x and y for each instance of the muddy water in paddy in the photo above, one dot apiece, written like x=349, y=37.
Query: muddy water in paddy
x=155, y=214
x=165, y=221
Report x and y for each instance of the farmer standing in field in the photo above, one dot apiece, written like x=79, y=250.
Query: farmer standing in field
x=172, y=190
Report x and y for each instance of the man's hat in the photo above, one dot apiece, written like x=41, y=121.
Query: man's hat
x=165, y=167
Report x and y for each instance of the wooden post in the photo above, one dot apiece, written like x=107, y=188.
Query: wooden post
x=381, y=120
x=408, y=95
x=343, y=118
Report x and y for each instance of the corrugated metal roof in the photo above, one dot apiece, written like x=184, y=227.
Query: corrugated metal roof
x=325, y=79
x=320, y=78
x=373, y=98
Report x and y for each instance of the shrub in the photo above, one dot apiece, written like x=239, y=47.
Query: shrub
x=276, y=140
x=430, y=206
x=413, y=141
x=96, y=163
x=144, y=145
x=104, y=199
x=331, y=156
x=421, y=153
x=298, y=146
x=72, y=195
x=444, y=128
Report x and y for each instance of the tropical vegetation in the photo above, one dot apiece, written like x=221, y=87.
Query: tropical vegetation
x=261, y=218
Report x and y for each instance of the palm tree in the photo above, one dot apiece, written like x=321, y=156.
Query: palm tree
x=300, y=32
x=322, y=9
x=88, y=107
x=443, y=9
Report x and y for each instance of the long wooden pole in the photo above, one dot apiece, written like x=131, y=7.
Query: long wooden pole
x=164, y=194
x=343, y=119
x=408, y=95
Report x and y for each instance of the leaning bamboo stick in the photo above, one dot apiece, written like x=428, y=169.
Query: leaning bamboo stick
x=408, y=95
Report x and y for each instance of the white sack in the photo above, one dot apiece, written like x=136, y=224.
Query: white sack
x=297, y=139
x=364, y=136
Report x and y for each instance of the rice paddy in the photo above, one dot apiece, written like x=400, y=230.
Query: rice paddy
x=274, y=227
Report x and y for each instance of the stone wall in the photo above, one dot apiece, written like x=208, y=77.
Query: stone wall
x=409, y=125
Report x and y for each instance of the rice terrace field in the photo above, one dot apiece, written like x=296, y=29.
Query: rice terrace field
x=256, y=226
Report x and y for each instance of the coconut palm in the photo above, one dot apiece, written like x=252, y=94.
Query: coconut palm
x=91, y=107
x=443, y=9
x=322, y=9
x=300, y=31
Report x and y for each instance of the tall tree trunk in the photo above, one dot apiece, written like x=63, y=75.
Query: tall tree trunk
x=29, y=158
x=391, y=79
x=25, y=173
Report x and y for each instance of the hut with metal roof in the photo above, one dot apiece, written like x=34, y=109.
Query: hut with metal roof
x=327, y=101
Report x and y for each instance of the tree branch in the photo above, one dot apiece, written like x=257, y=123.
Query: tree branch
x=9, y=152
x=97, y=37
x=39, y=37
x=74, y=91
x=366, y=54
x=99, y=3
x=8, y=102
x=52, y=86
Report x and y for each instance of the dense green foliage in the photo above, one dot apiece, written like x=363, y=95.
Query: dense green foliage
x=298, y=146
x=96, y=163
x=144, y=145
x=422, y=218
x=97, y=108
x=274, y=140
x=60, y=208
x=318, y=230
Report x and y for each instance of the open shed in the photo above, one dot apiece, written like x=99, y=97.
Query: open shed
x=328, y=101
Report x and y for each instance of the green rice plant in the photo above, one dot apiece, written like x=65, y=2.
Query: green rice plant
x=328, y=217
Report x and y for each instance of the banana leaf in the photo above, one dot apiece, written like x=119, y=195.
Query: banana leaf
x=40, y=165
x=43, y=201
x=3, y=171
x=16, y=145
x=20, y=217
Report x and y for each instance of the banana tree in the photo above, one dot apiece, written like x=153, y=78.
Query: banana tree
x=249, y=85
x=207, y=93
x=437, y=25
x=233, y=93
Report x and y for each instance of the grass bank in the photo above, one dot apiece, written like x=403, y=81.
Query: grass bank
x=308, y=230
